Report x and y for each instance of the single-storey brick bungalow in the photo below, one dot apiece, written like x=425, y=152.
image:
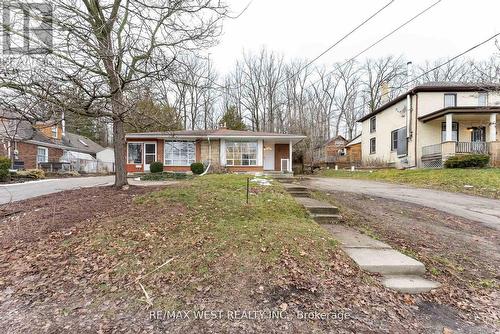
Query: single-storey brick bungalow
x=237, y=151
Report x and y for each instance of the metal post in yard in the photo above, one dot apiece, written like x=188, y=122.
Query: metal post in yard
x=248, y=187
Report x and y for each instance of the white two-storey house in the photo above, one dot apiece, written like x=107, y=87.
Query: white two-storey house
x=431, y=122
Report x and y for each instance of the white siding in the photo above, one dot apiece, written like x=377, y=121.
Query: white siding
x=387, y=121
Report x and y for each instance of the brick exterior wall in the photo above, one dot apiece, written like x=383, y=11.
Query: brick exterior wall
x=160, y=152
x=245, y=169
x=27, y=153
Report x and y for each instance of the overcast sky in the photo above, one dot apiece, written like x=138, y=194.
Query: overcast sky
x=304, y=28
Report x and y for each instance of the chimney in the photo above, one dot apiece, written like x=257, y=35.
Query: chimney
x=409, y=75
x=384, y=98
x=63, y=125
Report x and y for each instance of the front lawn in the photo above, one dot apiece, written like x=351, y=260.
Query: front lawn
x=484, y=182
x=103, y=259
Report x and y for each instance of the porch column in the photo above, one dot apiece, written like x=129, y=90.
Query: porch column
x=493, y=127
x=290, y=145
x=449, y=127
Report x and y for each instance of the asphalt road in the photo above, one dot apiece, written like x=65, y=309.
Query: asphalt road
x=483, y=210
x=20, y=191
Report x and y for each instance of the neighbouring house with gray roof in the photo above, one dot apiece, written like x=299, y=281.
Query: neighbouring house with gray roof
x=45, y=142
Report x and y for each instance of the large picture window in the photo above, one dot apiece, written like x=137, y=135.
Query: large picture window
x=179, y=153
x=134, y=153
x=241, y=153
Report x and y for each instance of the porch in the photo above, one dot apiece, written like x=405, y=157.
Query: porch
x=459, y=133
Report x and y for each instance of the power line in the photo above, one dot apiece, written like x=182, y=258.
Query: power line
x=395, y=30
x=451, y=59
x=441, y=65
x=340, y=40
x=387, y=35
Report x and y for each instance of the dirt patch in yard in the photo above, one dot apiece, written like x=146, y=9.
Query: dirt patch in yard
x=32, y=219
x=461, y=254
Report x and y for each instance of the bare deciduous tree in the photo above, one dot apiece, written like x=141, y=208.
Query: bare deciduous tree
x=105, y=49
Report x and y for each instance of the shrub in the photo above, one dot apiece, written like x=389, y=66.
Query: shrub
x=35, y=174
x=164, y=176
x=156, y=167
x=467, y=161
x=197, y=168
x=5, y=164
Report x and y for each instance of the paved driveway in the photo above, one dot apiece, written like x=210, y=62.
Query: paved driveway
x=20, y=191
x=484, y=210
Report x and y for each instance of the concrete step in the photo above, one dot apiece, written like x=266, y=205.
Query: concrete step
x=324, y=210
x=315, y=206
x=299, y=193
x=409, y=283
x=385, y=261
x=284, y=180
x=294, y=187
x=325, y=218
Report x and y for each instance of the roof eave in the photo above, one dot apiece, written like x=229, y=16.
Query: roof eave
x=215, y=136
x=460, y=110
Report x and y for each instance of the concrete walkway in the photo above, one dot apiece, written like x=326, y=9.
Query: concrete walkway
x=400, y=272
x=483, y=210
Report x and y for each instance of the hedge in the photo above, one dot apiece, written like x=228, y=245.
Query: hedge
x=156, y=167
x=164, y=176
x=5, y=164
x=197, y=168
x=467, y=161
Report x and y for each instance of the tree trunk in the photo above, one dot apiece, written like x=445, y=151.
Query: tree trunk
x=120, y=153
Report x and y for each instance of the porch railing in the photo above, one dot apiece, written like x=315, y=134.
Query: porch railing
x=432, y=150
x=478, y=147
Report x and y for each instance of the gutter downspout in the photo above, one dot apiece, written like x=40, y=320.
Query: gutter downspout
x=209, y=157
x=416, y=124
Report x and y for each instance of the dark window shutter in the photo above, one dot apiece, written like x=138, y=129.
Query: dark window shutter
x=402, y=142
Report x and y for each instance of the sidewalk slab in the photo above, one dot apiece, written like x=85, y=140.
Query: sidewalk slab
x=351, y=238
x=409, y=284
x=315, y=206
x=385, y=261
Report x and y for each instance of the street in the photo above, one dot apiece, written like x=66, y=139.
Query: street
x=19, y=191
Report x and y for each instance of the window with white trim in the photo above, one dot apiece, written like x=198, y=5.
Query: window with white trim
x=373, y=145
x=373, y=124
x=241, y=153
x=134, y=153
x=482, y=99
x=42, y=155
x=454, y=131
x=394, y=140
x=179, y=153
x=450, y=100
x=54, y=131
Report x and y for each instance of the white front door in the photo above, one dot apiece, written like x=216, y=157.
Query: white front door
x=149, y=155
x=268, y=156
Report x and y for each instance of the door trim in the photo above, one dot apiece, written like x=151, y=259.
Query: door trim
x=287, y=166
x=146, y=166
